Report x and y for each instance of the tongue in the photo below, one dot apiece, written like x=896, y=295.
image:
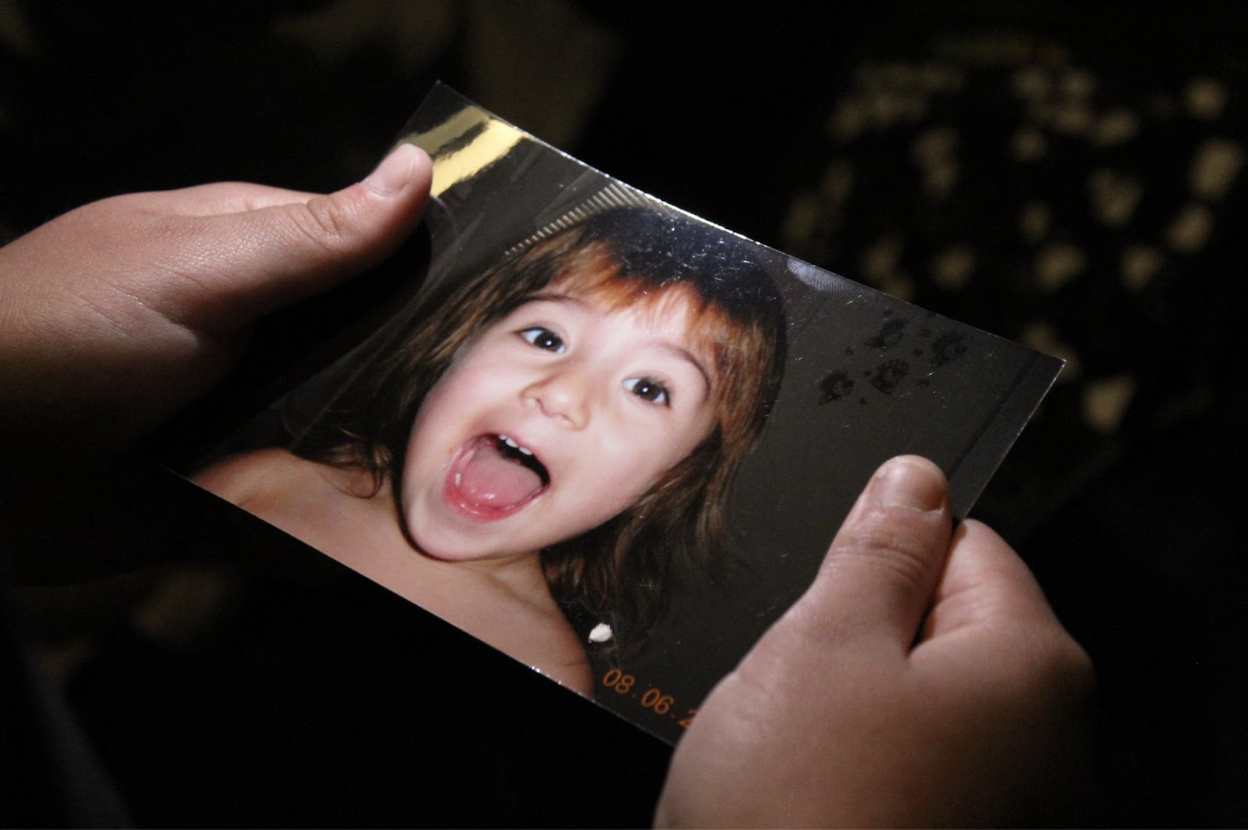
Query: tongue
x=494, y=480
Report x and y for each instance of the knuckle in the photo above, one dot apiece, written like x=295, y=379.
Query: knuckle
x=322, y=223
x=1047, y=658
x=898, y=551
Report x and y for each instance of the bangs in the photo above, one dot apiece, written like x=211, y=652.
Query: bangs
x=729, y=347
x=594, y=276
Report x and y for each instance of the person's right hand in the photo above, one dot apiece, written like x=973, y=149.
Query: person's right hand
x=116, y=314
x=922, y=680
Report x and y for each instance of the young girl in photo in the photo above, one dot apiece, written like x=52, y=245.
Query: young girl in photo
x=552, y=440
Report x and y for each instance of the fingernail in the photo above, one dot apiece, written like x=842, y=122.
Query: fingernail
x=910, y=482
x=394, y=172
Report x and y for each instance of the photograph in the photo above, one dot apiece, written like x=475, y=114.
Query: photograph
x=578, y=414
x=606, y=437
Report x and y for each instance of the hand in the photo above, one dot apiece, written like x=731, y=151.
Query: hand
x=118, y=313
x=115, y=315
x=921, y=680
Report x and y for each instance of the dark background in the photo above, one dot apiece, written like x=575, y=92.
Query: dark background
x=1087, y=161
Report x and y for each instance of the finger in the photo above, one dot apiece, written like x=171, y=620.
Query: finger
x=878, y=577
x=277, y=255
x=218, y=198
x=993, y=641
x=984, y=581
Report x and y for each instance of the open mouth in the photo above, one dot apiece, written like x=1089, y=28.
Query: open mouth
x=494, y=476
x=523, y=456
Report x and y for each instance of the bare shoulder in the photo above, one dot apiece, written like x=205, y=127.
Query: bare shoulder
x=317, y=503
x=243, y=477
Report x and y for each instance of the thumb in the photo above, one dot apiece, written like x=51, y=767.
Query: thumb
x=280, y=254
x=804, y=732
x=878, y=578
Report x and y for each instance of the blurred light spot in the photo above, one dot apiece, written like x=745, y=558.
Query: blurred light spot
x=881, y=265
x=1078, y=83
x=939, y=179
x=1031, y=84
x=848, y=120
x=1115, y=127
x=1028, y=144
x=1114, y=196
x=1140, y=264
x=799, y=223
x=952, y=269
x=882, y=258
x=1215, y=166
x=1073, y=118
x=1105, y=402
x=933, y=152
x=1034, y=222
x=1205, y=98
x=1190, y=230
x=1058, y=264
x=1044, y=338
x=936, y=144
x=942, y=77
x=838, y=181
x=899, y=286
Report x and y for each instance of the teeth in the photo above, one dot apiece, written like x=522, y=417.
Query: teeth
x=511, y=443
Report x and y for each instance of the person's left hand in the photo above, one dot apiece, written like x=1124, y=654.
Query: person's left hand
x=118, y=313
x=922, y=680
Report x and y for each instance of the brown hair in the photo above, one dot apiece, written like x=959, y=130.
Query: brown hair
x=619, y=571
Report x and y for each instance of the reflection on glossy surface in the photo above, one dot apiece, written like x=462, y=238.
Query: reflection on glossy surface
x=465, y=144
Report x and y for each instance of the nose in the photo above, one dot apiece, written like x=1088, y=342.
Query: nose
x=564, y=394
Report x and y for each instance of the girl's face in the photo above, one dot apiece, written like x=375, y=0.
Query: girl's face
x=551, y=421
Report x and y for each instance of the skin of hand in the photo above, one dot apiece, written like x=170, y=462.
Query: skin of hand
x=117, y=314
x=922, y=680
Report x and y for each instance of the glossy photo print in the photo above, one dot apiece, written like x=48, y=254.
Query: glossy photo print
x=604, y=436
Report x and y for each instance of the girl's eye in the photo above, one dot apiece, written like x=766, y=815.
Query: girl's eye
x=649, y=390
x=543, y=338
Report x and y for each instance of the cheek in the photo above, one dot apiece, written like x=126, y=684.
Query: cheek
x=678, y=441
x=460, y=390
x=424, y=429
x=641, y=458
x=433, y=430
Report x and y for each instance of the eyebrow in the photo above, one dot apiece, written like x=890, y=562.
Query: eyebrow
x=688, y=356
x=674, y=349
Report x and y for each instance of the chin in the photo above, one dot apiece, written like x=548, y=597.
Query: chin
x=455, y=550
